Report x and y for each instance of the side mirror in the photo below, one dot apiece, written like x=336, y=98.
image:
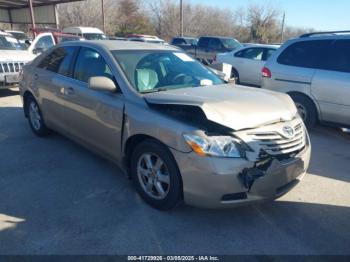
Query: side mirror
x=38, y=50
x=102, y=83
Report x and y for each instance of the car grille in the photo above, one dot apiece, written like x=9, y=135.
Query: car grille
x=275, y=143
x=11, y=67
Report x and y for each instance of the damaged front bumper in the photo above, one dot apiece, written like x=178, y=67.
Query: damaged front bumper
x=219, y=183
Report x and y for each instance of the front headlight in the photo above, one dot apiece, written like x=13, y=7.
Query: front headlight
x=215, y=146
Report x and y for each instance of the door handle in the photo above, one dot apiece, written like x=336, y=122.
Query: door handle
x=69, y=91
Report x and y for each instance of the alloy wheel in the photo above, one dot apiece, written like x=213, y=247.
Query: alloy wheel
x=153, y=176
x=34, y=115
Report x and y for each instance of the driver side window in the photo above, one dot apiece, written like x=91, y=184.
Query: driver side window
x=253, y=54
x=90, y=63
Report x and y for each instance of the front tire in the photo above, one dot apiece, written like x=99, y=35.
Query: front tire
x=306, y=109
x=35, y=118
x=155, y=175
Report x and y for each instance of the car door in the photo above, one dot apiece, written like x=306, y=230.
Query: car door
x=214, y=46
x=331, y=83
x=296, y=65
x=49, y=80
x=94, y=117
x=249, y=63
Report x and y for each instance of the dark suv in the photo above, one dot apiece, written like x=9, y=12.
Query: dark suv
x=209, y=46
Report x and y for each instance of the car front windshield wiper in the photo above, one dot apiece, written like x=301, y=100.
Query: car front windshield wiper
x=155, y=90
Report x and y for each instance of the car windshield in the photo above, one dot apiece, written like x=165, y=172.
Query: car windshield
x=94, y=36
x=152, y=71
x=9, y=43
x=231, y=43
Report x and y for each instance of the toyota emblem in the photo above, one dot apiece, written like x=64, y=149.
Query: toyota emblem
x=288, y=131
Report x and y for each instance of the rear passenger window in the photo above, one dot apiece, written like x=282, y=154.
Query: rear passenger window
x=59, y=60
x=339, y=57
x=253, y=53
x=305, y=54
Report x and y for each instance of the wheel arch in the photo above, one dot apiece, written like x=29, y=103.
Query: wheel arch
x=133, y=141
x=311, y=100
x=235, y=70
x=27, y=94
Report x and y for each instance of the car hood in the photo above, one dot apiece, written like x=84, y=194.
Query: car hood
x=16, y=56
x=233, y=106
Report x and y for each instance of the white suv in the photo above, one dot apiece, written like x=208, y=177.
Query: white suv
x=12, y=58
x=315, y=71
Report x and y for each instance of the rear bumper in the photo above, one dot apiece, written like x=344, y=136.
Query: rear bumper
x=224, y=183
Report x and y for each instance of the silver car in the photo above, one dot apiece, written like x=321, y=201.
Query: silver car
x=248, y=62
x=315, y=71
x=178, y=130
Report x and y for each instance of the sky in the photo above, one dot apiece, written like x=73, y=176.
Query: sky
x=317, y=14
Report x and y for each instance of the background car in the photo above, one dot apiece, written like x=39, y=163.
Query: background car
x=145, y=38
x=209, y=46
x=88, y=33
x=20, y=36
x=184, y=42
x=46, y=40
x=315, y=71
x=247, y=62
x=13, y=56
x=112, y=37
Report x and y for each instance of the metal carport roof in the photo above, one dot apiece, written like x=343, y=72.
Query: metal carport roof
x=16, y=4
x=30, y=11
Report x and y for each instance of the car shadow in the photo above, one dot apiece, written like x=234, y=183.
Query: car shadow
x=330, y=143
x=9, y=92
x=104, y=224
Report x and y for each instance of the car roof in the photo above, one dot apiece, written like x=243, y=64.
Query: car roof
x=5, y=33
x=184, y=37
x=220, y=37
x=121, y=45
x=262, y=45
x=322, y=37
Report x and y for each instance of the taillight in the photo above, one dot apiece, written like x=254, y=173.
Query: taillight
x=266, y=72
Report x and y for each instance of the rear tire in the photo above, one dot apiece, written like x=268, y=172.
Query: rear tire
x=306, y=109
x=35, y=118
x=235, y=76
x=155, y=175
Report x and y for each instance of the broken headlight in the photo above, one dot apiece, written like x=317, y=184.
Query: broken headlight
x=216, y=146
